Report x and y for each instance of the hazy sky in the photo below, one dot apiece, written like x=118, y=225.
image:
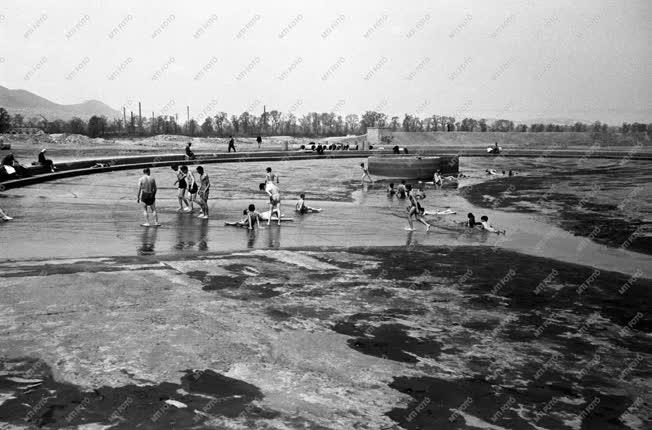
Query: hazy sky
x=514, y=59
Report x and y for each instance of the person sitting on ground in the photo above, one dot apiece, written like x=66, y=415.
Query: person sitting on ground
x=312, y=146
x=302, y=207
x=252, y=217
x=44, y=161
x=4, y=216
x=189, y=154
x=391, y=191
x=396, y=149
x=12, y=166
x=484, y=221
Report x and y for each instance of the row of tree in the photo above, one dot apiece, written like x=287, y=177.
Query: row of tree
x=277, y=123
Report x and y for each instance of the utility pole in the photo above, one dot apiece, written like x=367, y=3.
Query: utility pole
x=140, y=120
x=124, y=115
x=132, y=120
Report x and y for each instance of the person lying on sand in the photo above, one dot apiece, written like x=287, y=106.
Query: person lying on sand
x=484, y=221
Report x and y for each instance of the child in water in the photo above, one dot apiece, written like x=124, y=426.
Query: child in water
x=484, y=221
x=301, y=206
x=252, y=216
x=390, y=190
x=401, y=191
x=365, y=174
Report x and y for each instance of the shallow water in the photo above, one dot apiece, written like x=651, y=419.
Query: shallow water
x=609, y=201
x=98, y=216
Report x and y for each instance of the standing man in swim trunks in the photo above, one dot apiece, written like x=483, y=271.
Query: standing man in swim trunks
x=147, y=194
x=274, y=200
x=231, y=144
x=202, y=192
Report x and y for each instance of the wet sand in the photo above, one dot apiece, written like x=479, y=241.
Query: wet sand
x=337, y=338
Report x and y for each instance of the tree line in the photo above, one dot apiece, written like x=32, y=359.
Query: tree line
x=312, y=124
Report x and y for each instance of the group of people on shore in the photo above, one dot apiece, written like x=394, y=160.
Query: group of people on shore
x=192, y=190
x=189, y=191
x=10, y=168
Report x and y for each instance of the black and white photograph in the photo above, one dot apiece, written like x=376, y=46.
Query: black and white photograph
x=326, y=215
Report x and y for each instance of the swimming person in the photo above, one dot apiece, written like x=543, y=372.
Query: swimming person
x=270, y=177
x=414, y=210
x=181, y=192
x=471, y=222
x=202, y=192
x=274, y=200
x=191, y=186
x=391, y=191
x=484, y=221
x=401, y=192
x=147, y=195
x=4, y=216
x=365, y=174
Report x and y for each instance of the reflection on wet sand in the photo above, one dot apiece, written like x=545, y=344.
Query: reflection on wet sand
x=202, y=244
x=147, y=241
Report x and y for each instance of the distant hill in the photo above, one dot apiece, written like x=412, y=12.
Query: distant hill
x=31, y=105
